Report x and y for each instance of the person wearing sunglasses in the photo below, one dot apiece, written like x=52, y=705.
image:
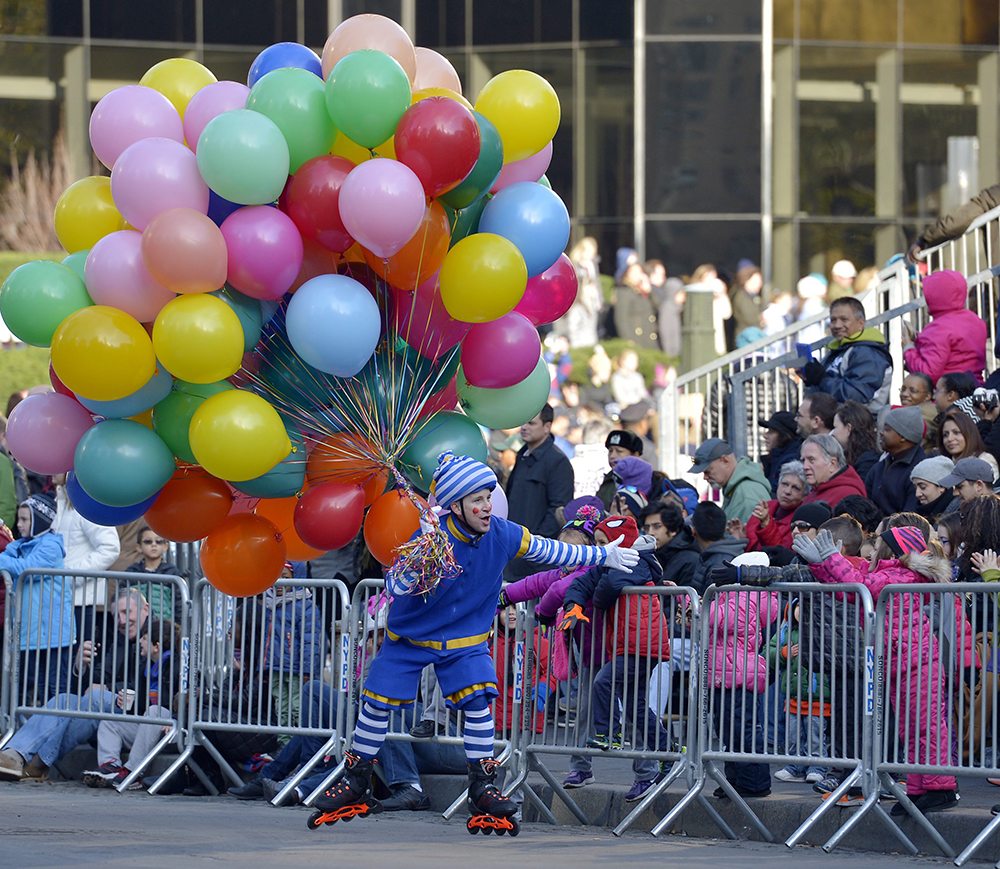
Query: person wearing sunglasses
x=808, y=517
x=153, y=550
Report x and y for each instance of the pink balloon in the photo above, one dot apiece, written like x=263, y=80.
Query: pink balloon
x=382, y=204
x=499, y=501
x=423, y=322
x=502, y=352
x=529, y=169
x=265, y=251
x=44, y=429
x=210, y=102
x=116, y=275
x=435, y=71
x=129, y=114
x=153, y=175
x=370, y=31
x=551, y=294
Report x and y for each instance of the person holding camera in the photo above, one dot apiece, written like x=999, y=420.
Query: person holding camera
x=986, y=404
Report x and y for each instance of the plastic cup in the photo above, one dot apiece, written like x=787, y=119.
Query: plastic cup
x=129, y=699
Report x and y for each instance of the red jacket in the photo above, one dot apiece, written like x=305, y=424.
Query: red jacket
x=504, y=657
x=639, y=618
x=778, y=531
x=839, y=486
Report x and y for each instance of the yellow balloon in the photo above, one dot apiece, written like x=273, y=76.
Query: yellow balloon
x=145, y=418
x=524, y=108
x=198, y=338
x=102, y=353
x=344, y=147
x=423, y=93
x=85, y=213
x=483, y=277
x=178, y=79
x=236, y=435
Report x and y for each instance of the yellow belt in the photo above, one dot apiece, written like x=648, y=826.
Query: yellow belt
x=457, y=643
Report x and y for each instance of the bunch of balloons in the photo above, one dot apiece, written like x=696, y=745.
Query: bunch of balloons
x=300, y=290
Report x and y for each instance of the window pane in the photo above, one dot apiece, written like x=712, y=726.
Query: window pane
x=389, y=8
x=65, y=17
x=950, y=22
x=848, y=20
x=703, y=127
x=125, y=19
x=822, y=244
x=522, y=21
x=440, y=22
x=25, y=18
x=611, y=19
x=683, y=246
x=250, y=22
x=703, y=16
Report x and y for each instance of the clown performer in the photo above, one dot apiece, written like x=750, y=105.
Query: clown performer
x=448, y=627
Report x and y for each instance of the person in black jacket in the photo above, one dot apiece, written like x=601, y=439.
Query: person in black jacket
x=888, y=482
x=676, y=549
x=163, y=603
x=783, y=444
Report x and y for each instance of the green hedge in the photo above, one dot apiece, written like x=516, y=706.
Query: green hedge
x=648, y=359
x=11, y=259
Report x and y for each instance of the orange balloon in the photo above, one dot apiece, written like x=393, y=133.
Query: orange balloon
x=280, y=512
x=391, y=521
x=345, y=458
x=316, y=261
x=190, y=506
x=185, y=251
x=243, y=555
x=421, y=256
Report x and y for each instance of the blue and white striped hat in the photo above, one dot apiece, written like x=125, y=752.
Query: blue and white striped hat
x=458, y=476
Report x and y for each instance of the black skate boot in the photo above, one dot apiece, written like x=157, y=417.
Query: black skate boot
x=349, y=796
x=489, y=809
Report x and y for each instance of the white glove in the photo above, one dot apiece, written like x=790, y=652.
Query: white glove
x=399, y=584
x=429, y=521
x=620, y=559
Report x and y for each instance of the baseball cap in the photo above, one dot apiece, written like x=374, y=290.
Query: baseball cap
x=970, y=469
x=844, y=268
x=708, y=452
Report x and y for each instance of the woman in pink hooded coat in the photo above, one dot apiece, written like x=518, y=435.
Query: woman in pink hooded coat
x=955, y=339
x=916, y=681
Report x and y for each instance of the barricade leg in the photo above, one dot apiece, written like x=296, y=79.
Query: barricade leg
x=712, y=770
x=978, y=842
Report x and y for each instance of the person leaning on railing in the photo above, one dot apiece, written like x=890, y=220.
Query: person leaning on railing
x=955, y=223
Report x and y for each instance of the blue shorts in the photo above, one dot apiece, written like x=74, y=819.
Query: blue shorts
x=462, y=674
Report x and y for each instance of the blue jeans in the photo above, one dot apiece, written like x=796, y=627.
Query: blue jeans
x=318, y=708
x=51, y=737
x=806, y=737
x=613, y=678
x=737, y=705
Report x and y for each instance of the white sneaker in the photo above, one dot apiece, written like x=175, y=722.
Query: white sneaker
x=787, y=775
x=813, y=777
x=11, y=765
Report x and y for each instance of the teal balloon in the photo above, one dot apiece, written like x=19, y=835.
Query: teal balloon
x=466, y=221
x=366, y=95
x=544, y=181
x=156, y=389
x=293, y=380
x=447, y=430
x=484, y=174
x=172, y=415
x=248, y=310
x=243, y=157
x=509, y=407
x=287, y=477
x=77, y=261
x=295, y=99
x=120, y=463
x=38, y=296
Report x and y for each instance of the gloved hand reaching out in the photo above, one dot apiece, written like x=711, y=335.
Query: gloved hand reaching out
x=620, y=559
x=571, y=617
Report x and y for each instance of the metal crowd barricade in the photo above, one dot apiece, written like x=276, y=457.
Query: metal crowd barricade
x=6, y=666
x=628, y=680
x=50, y=672
x=268, y=668
x=973, y=251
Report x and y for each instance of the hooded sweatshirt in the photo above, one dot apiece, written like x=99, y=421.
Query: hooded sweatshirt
x=859, y=367
x=955, y=338
x=747, y=487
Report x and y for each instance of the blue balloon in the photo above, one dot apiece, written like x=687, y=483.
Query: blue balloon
x=219, y=209
x=268, y=308
x=102, y=514
x=282, y=55
x=328, y=306
x=156, y=389
x=249, y=312
x=534, y=218
x=121, y=463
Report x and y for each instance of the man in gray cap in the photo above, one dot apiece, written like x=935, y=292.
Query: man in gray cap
x=971, y=477
x=742, y=482
x=888, y=482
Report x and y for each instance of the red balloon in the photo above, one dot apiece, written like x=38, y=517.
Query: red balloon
x=500, y=353
x=329, y=515
x=243, y=555
x=446, y=399
x=424, y=323
x=59, y=386
x=551, y=294
x=190, y=505
x=313, y=201
x=438, y=138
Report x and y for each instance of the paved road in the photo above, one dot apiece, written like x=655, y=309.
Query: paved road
x=43, y=825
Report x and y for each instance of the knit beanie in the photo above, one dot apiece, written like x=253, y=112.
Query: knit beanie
x=620, y=526
x=933, y=470
x=458, y=476
x=903, y=540
x=815, y=513
x=907, y=422
x=632, y=471
x=43, y=513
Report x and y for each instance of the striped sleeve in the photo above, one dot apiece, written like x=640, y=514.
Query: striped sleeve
x=542, y=550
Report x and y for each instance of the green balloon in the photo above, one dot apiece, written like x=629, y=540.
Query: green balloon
x=77, y=261
x=243, y=156
x=484, y=173
x=287, y=477
x=120, y=463
x=466, y=222
x=38, y=296
x=248, y=310
x=509, y=407
x=447, y=430
x=544, y=181
x=172, y=416
x=366, y=95
x=295, y=99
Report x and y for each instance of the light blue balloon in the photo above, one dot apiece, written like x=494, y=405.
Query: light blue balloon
x=333, y=324
x=120, y=463
x=249, y=312
x=76, y=261
x=156, y=389
x=534, y=218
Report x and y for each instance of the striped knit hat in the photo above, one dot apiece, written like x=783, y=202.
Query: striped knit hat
x=458, y=476
x=903, y=540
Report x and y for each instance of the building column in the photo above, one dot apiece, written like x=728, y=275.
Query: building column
x=334, y=14
x=785, y=174
x=988, y=120
x=639, y=129
x=76, y=76
x=888, y=153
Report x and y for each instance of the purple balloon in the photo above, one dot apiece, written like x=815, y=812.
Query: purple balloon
x=44, y=429
x=210, y=102
x=499, y=501
x=529, y=169
x=153, y=176
x=500, y=353
x=116, y=275
x=128, y=115
x=265, y=251
x=382, y=204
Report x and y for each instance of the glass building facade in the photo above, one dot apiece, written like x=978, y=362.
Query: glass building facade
x=791, y=132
